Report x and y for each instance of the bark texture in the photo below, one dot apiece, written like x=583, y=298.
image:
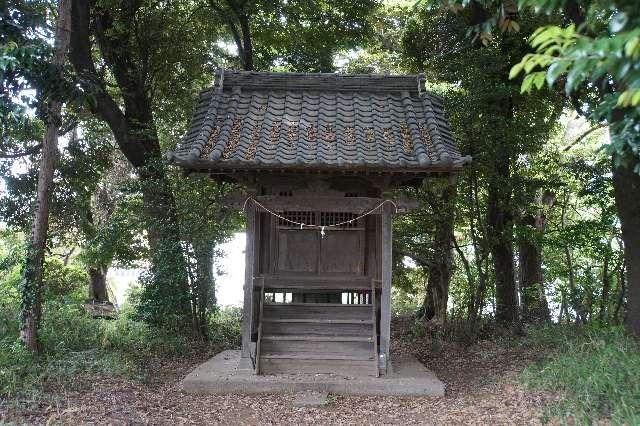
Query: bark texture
x=98, y=285
x=500, y=226
x=440, y=270
x=31, y=306
x=535, y=307
x=626, y=185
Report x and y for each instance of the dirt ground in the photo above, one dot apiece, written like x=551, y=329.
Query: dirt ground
x=481, y=388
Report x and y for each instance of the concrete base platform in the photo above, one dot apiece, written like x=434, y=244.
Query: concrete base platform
x=221, y=375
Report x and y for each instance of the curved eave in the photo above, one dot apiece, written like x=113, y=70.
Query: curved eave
x=346, y=168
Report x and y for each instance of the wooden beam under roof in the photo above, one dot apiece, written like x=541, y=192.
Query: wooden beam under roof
x=356, y=205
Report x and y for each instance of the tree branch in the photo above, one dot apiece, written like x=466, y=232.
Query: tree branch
x=584, y=135
x=101, y=103
x=421, y=261
x=29, y=151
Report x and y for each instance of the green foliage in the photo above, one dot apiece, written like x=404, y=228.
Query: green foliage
x=593, y=57
x=498, y=126
x=62, y=280
x=296, y=35
x=605, y=60
x=24, y=53
x=74, y=343
x=596, y=371
x=225, y=328
x=407, y=302
x=381, y=52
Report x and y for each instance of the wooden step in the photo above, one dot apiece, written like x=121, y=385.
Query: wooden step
x=319, y=320
x=361, y=347
x=315, y=356
x=342, y=367
x=317, y=310
x=317, y=338
x=308, y=326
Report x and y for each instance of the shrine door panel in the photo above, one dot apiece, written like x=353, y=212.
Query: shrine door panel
x=297, y=250
x=342, y=252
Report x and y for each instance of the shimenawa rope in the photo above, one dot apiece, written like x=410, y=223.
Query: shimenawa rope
x=321, y=227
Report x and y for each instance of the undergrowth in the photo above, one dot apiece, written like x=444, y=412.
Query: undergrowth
x=73, y=343
x=596, y=370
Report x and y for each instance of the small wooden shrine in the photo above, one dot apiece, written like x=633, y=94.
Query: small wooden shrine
x=318, y=155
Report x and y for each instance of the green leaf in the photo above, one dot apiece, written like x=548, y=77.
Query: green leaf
x=618, y=22
x=538, y=79
x=515, y=70
x=632, y=48
x=556, y=70
x=543, y=34
x=533, y=80
x=575, y=76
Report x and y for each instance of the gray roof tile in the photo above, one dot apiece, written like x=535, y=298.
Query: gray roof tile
x=251, y=120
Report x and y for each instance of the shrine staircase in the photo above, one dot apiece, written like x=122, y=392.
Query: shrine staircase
x=318, y=338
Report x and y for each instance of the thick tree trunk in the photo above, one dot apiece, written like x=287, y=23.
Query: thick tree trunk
x=166, y=297
x=626, y=185
x=98, y=285
x=500, y=224
x=31, y=306
x=168, y=264
x=535, y=307
x=437, y=294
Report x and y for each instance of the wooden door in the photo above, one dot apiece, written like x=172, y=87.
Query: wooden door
x=340, y=251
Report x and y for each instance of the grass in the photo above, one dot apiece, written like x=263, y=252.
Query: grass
x=597, y=370
x=74, y=343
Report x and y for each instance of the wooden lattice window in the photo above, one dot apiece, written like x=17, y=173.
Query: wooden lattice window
x=308, y=218
x=332, y=218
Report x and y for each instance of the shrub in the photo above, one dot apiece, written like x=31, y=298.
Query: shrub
x=63, y=280
x=74, y=343
x=225, y=328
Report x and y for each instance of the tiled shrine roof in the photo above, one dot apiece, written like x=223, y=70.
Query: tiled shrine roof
x=258, y=121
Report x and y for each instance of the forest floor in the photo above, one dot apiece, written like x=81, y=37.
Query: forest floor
x=482, y=387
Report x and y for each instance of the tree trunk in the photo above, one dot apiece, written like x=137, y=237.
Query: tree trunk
x=165, y=297
x=168, y=264
x=31, y=304
x=480, y=250
x=606, y=286
x=626, y=185
x=499, y=219
x=622, y=285
x=437, y=294
x=535, y=307
x=98, y=285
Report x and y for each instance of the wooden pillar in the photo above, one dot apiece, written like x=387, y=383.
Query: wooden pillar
x=247, y=314
x=385, y=296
